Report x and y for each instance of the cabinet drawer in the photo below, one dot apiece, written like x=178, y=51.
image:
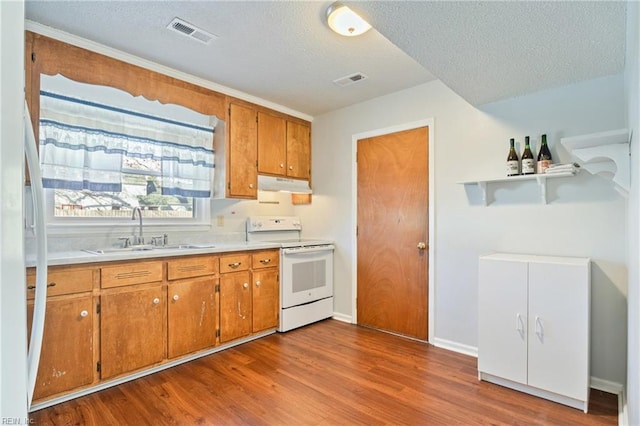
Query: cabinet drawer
x=192, y=267
x=130, y=273
x=62, y=280
x=234, y=262
x=265, y=259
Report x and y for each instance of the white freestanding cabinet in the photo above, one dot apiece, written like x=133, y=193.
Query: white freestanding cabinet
x=534, y=316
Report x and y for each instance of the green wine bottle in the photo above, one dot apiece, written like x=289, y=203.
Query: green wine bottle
x=544, y=156
x=528, y=165
x=513, y=163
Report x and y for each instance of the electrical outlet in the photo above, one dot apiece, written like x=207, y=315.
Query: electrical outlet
x=220, y=220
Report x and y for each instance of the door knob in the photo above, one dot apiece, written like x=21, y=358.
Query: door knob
x=422, y=245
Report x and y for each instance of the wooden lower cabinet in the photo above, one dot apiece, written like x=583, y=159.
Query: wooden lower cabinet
x=265, y=299
x=191, y=321
x=235, y=305
x=66, y=360
x=112, y=319
x=132, y=329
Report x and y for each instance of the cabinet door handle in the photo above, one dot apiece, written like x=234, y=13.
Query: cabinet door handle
x=281, y=166
x=257, y=283
x=251, y=185
x=33, y=287
x=539, y=328
x=235, y=265
x=83, y=314
x=245, y=285
x=176, y=297
x=290, y=167
x=156, y=301
x=520, y=325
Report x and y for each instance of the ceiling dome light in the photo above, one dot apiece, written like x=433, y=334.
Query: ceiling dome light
x=345, y=21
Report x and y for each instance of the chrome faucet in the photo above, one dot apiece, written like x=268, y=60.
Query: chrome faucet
x=140, y=238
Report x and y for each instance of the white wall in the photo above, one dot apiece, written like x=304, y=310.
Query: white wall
x=13, y=334
x=585, y=216
x=632, y=89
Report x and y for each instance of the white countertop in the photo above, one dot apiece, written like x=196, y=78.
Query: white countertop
x=80, y=256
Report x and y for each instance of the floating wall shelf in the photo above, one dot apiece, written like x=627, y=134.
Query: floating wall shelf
x=605, y=152
x=541, y=179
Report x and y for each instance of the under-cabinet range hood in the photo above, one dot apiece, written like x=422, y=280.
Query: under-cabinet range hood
x=274, y=183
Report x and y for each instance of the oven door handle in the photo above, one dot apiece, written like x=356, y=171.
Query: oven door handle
x=305, y=250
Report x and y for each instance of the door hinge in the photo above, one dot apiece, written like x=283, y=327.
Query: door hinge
x=33, y=56
x=356, y=230
x=217, y=289
x=229, y=186
x=217, y=332
x=98, y=308
x=98, y=366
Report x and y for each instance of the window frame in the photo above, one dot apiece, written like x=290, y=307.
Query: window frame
x=44, y=55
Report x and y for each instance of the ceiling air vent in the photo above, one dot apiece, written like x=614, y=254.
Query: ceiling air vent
x=190, y=30
x=350, y=79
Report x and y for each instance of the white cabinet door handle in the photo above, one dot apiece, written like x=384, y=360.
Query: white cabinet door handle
x=539, y=328
x=257, y=283
x=84, y=314
x=176, y=297
x=519, y=324
x=245, y=285
x=156, y=301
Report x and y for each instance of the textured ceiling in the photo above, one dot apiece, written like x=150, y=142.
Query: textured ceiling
x=283, y=52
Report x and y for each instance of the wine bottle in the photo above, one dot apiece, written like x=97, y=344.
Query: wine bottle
x=513, y=163
x=528, y=165
x=544, y=156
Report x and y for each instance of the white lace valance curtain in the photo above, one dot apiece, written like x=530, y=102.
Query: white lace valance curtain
x=82, y=146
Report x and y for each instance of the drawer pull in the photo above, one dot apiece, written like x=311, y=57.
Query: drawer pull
x=84, y=314
x=191, y=268
x=265, y=261
x=235, y=265
x=156, y=301
x=33, y=287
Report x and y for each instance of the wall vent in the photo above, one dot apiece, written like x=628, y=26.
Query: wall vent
x=350, y=79
x=191, y=31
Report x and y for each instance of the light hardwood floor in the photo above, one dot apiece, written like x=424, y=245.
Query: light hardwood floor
x=328, y=373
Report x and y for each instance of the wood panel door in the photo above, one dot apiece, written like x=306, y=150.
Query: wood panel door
x=298, y=150
x=66, y=361
x=191, y=323
x=132, y=329
x=272, y=144
x=242, y=163
x=266, y=299
x=235, y=306
x=392, y=233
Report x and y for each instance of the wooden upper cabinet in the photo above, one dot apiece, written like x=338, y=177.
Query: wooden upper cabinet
x=272, y=144
x=284, y=147
x=298, y=150
x=242, y=161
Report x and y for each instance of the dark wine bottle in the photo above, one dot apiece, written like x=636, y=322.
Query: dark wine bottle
x=528, y=165
x=544, y=156
x=513, y=163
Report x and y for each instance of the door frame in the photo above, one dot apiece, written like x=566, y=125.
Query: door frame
x=428, y=122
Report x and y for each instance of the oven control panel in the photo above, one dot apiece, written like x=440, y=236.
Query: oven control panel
x=273, y=223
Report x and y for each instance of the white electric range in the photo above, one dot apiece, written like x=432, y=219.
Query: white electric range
x=306, y=269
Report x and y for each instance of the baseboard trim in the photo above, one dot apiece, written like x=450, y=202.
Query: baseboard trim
x=343, y=317
x=606, y=385
x=455, y=346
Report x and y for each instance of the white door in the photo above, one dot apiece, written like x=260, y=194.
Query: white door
x=559, y=328
x=502, y=348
